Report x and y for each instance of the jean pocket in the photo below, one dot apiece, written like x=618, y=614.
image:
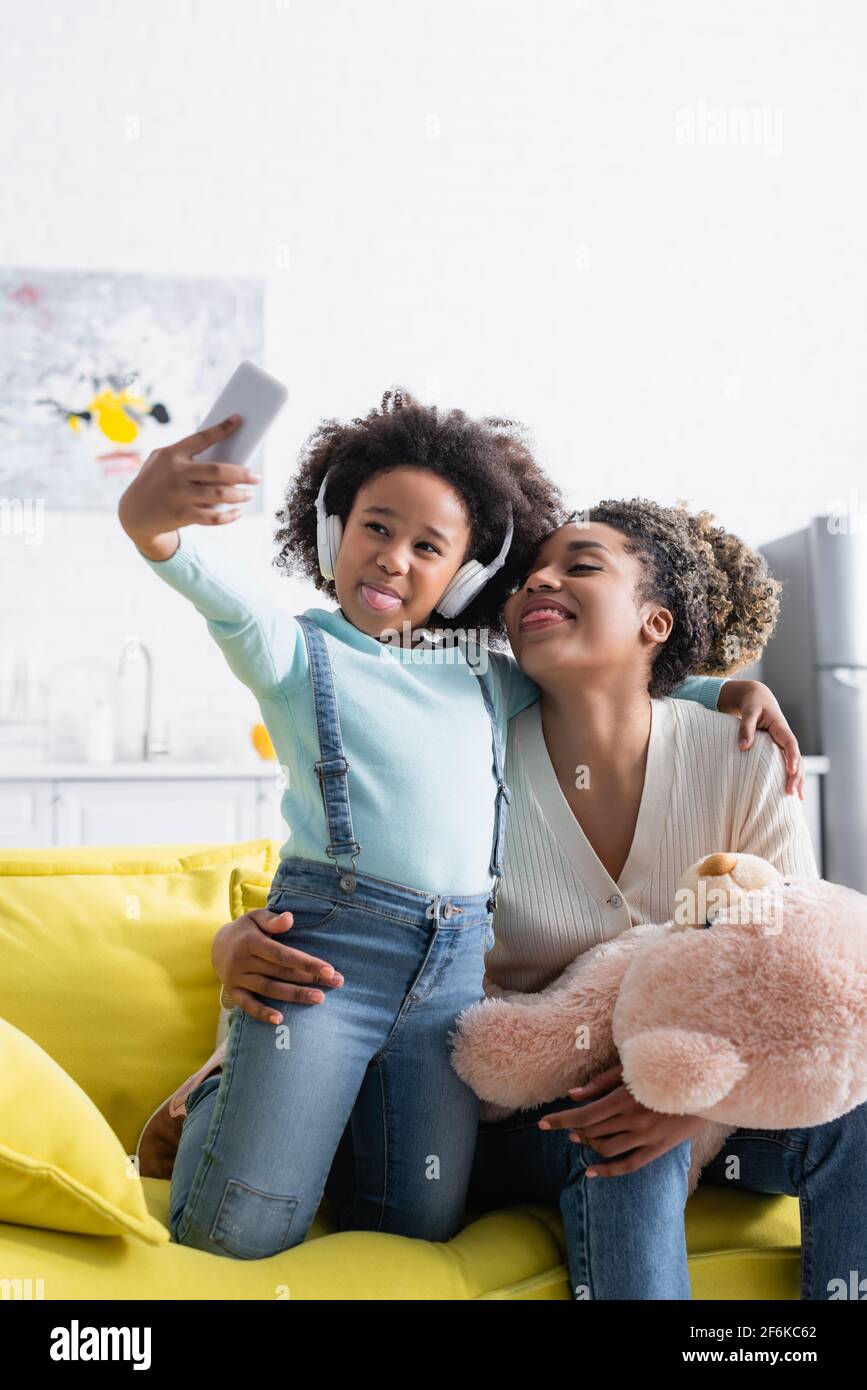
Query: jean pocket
x=308, y=910
x=251, y=1225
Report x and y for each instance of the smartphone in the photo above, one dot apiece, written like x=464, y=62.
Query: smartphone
x=258, y=398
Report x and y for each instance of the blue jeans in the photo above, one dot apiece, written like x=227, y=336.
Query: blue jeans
x=259, y=1137
x=625, y=1235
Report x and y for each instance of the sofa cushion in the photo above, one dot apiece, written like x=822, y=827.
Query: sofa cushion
x=106, y=963
x=247, y=892
x=61, y=1165
x=742, y=1245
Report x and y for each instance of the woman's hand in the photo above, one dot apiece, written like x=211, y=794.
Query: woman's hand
x=173, y=489
x=618, y=1124
x=758, y=708
x=247, y=960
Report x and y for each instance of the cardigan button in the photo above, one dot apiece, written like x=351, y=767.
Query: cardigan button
x=615, y=900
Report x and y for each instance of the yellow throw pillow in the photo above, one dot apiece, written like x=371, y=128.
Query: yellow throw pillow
x=247, y=891
x=62, y=1167
x=105, y=962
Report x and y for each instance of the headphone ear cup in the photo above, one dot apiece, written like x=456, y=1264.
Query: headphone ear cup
x=335, y=536
x=329, y=533
x=469, y=581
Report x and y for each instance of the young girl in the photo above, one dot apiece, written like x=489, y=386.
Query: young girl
x=395, y=799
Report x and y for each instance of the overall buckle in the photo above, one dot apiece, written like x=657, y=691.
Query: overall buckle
x=346, y=877
x=325, y=767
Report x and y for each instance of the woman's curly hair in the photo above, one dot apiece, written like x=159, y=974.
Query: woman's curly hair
x=723, y=599
x=488, y=462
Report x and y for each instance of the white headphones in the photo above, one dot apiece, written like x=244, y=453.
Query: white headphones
x=469, y=581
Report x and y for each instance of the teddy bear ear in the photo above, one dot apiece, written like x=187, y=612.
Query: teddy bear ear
x=715, y=865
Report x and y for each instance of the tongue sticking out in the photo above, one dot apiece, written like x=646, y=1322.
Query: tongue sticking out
x=381, y=602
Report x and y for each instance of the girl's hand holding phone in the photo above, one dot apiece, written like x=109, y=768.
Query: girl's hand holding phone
x=172, y=489
x=248, y=962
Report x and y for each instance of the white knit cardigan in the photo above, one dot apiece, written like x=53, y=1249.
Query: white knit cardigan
x=701, y=793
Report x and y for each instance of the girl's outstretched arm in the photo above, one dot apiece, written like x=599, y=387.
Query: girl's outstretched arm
x=173, y=490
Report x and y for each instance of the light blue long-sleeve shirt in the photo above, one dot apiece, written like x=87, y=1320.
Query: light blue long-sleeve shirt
x=414, y=727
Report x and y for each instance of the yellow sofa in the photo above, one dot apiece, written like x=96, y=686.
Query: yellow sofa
x=107, y=985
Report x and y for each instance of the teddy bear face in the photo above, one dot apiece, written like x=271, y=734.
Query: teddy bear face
x=717, y=884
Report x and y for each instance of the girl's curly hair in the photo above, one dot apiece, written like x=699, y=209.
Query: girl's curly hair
x=488, y=462
x=723, y=599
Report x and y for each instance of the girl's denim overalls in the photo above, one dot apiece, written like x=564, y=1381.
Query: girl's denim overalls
x=259, y=1138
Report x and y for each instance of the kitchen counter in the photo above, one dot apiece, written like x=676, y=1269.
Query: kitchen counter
x=160, y=768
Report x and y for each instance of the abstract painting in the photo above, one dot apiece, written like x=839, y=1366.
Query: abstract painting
x=97, y=369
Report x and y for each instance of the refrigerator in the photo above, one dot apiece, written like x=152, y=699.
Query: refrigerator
x=816, y=664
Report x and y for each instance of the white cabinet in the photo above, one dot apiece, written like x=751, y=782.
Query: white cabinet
x=139, y=803
x=25, y=814
x=127, y=813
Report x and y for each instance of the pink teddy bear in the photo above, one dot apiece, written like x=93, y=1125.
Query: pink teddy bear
x=759, y=1021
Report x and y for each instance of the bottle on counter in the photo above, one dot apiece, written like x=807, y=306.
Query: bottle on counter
x=99, y=732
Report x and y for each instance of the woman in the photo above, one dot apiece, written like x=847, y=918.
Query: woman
x=615, y=791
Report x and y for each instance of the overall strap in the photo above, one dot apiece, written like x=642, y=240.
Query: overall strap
x=504, y=795
x=332, y=766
